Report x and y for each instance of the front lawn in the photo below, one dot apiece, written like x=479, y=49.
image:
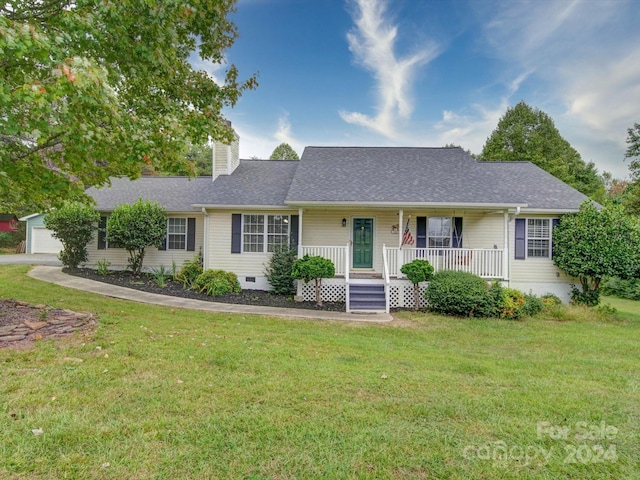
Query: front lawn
x=162, y=393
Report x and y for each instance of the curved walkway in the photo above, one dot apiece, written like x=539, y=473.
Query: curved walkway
x=55, y=275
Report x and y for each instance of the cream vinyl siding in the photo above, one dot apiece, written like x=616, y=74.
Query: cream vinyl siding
x=324, y=228
x=152, y=256
x=531, y=270
x=243, y=264
x=479, y=229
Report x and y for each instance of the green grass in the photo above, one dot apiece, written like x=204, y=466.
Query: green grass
x=626, y=308
x=164, y=393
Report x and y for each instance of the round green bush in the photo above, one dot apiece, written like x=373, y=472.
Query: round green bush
x=512, y=304
x=190, y=271
x=217, y=282
x=461, y=294
x=533, y=305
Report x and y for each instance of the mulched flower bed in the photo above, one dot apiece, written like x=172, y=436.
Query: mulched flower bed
x=146, y=283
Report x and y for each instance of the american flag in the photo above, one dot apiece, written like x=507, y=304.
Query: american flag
x=407, y=238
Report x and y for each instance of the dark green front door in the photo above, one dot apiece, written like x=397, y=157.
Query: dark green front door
x=362, y=242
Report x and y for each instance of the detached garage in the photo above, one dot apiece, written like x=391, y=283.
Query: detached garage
x=39, y=238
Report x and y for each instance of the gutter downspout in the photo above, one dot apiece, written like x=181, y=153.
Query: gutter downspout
x=205, y=246
x=506, y=258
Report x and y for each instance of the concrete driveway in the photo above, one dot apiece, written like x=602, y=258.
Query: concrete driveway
x=31, y=259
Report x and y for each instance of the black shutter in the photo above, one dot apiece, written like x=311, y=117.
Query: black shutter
x=293, y=230
x=191, y=234
x=421, y=232
x=457, y=232
x=236, y=233
x=102, y=233
x=521, y=239
x=163, y=245
x=554, y=223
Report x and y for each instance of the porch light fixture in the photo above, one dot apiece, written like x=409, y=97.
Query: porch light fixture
x=344, y=222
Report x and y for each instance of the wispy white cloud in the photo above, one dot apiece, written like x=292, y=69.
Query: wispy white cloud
x=283, y=133
x=372, y=42
x=471, y=129
x=567, y=58
x=576, y=53
x=261, y=146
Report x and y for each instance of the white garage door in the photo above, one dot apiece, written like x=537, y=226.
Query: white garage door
x=43, y=242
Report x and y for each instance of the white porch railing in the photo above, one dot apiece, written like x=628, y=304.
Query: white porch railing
x=385, y=276
x=484, y=262
x=338, y=255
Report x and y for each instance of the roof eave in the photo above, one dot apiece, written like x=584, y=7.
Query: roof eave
x=209, y=206
x=548, y=211
x=466, y=205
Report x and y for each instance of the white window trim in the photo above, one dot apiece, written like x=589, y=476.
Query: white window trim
x=451, y=228
x=265, y=234
x=186, y=231
x=527, y=238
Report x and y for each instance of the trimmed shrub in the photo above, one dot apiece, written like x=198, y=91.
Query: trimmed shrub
x=73, y=225
x=417, y=271
x=461, y=294
x=279, y=271
x=217, y=282
x=512, y=304
x=532, y=306
x=135, y=227
x=313, y=268
x=550, y=300
x=190, y=271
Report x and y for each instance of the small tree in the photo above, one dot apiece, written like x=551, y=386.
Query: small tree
x=417, y=271
x=593, y=244
x=279, y=271
x=284, y=151
x=135, y=227
x=313, y=268
x=73, y=225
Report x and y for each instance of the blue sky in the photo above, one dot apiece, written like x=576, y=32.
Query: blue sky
x=428, y=73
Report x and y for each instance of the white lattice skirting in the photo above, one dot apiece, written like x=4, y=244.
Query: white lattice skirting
x=334, y=290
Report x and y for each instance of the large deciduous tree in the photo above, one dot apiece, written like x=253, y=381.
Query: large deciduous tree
x=284, y=151
x=528, y=134
x=632, y=198
x=96, y=88
x=596, y=243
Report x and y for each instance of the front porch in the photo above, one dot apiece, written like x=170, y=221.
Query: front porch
x=368, y=290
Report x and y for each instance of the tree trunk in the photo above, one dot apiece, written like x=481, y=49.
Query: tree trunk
x=318, y=295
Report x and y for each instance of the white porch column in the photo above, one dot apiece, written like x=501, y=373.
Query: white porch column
x=400, y=227
x=505, y=250
x=400, y=257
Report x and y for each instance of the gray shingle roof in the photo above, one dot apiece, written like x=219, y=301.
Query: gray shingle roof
x=369, y=175
x=254, y=182
x=176, y=194
x=379, y=175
